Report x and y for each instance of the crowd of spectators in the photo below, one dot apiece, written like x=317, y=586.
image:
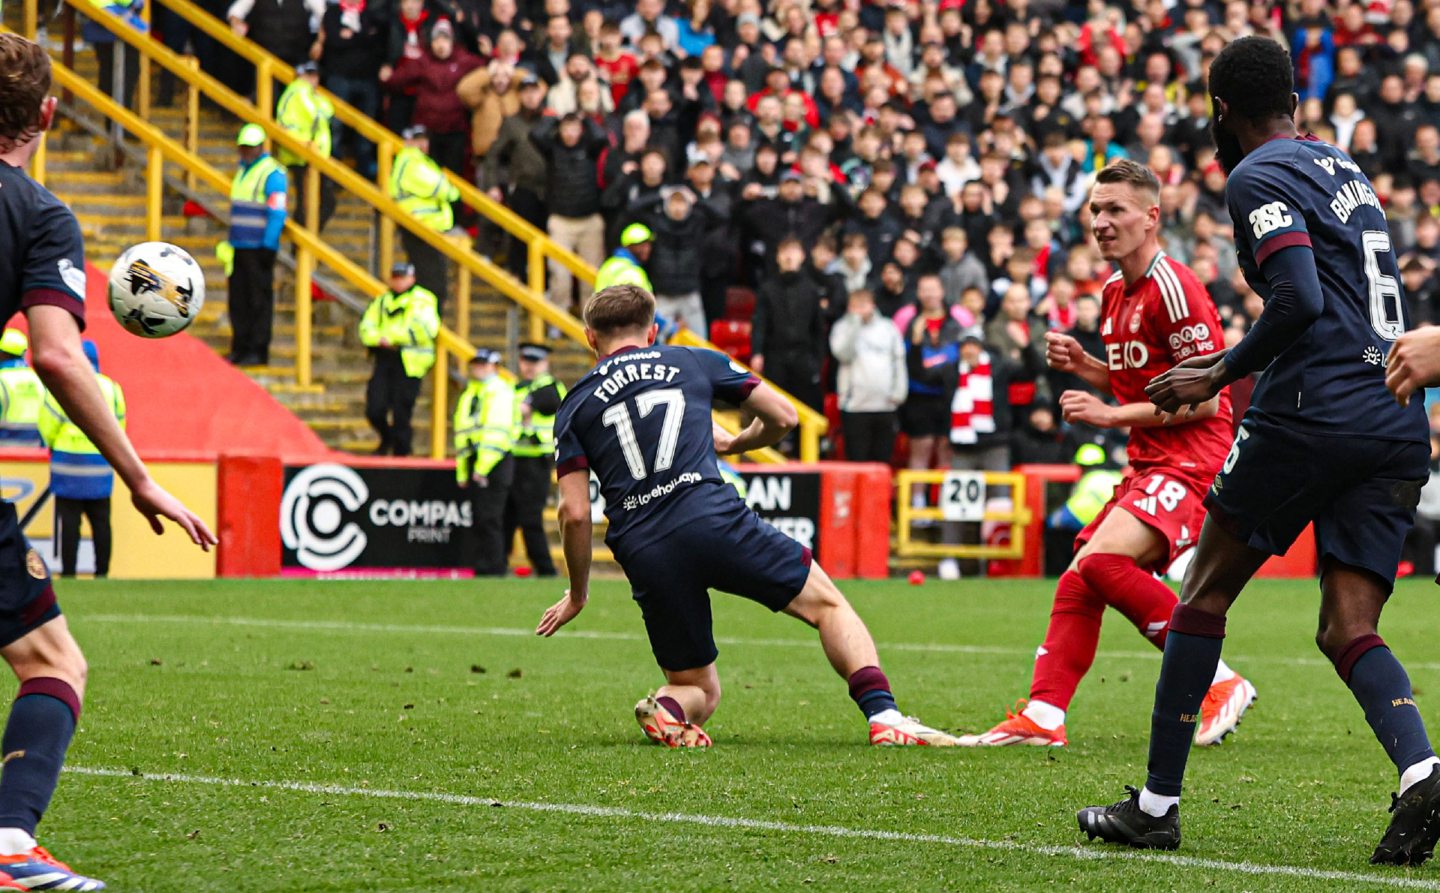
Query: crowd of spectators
x=814, y=171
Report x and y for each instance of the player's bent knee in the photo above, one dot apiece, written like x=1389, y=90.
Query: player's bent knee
x=819, y=599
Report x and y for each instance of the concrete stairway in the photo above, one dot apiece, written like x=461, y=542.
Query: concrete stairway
x=108, y=199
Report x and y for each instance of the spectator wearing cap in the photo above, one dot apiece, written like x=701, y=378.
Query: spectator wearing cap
x=354, y=46
x=420, y=187
x=484, y=427
x=626, y=265
x=677, y=259
x=537, y=400
x=257, y=217
x=306, y=115
x=571, y=146
x=399, y=327
x=872, y=381
x=433, y=76
x=514, y=171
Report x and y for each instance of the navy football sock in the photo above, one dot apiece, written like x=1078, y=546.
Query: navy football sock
x=1380, y=684
x=871, y=691
x=1192, y=651
x=42, y=719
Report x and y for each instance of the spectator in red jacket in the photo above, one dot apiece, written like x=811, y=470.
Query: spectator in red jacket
x=434, y=76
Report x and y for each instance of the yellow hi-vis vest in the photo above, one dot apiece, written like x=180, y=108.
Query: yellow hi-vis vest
x=538, y=437
x=249, y=213
x=77, y=470
x=21, y=398
x=621, y=269
x=1091, y=492
x=410, y=322
x=418, y=184
x=484, y=423
x=305, y=115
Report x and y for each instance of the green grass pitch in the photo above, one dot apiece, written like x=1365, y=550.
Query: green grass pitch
x=307, y=736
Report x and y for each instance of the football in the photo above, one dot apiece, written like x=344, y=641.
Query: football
x=156, y=289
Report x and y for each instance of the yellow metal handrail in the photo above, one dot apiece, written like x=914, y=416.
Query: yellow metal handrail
x=538, y=244
x=1018, y=516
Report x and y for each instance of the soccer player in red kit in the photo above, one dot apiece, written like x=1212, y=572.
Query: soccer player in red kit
x=1155, y=314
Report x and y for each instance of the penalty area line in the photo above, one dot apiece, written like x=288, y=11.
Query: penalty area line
x=1084, y=854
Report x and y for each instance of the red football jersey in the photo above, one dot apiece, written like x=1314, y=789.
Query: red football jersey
x=1165, y=317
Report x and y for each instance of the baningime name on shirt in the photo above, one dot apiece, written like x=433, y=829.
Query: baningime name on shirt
x=631, y=372
x=630, y=503
x=1352, y=195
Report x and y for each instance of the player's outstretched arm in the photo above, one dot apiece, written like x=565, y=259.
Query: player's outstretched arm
x=61, y=365
x=1085, y=408
x=1064, y=354
x=573, y=512
x=775, y=417
x=1413, y=363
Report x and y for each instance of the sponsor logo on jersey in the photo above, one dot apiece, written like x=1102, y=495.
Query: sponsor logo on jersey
x=1135, y=321
x=1329, y=164
x=1269, y=217
x=72, y=276
x=1373, y=356
x=1128, y=355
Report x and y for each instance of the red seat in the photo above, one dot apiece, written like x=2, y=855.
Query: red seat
x=739, y=302
x=733, y=337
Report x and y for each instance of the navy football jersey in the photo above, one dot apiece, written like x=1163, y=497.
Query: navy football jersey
x=640, y=420
x=42, y=254
x=1332, y=379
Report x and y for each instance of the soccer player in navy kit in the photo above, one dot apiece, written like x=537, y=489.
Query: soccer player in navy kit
x=42, y=274
x=1323, y=442
x=641, y=421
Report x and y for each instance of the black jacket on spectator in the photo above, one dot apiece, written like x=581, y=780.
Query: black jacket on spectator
x=788, y=319
x=1028, y=444
x=880, y=234
x=361, y=54
x=772, y=219
x=717, y=259
x=281, y=28
x=677, y=256
x=573, y=185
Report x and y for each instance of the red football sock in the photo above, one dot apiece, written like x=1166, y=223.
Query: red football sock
x=1070, y=642
x=1133, y=591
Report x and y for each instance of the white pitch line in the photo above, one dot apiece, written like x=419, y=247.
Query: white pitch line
x=1084, y=854
x=345, y=626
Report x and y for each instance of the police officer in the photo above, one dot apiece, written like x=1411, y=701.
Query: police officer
x=624, y=266
x=399, y=327
x=21, y=393
x=537, y=399
x=305, y=115
x=257, y=217
x=419, y=185
x=484, y=430
x=80, y=478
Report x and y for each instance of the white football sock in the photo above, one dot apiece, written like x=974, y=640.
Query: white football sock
x=1154, y=804
x=1223, y=673
x=891, y=717
x=1046, y=716
x=1417, y=773
x=14, y=841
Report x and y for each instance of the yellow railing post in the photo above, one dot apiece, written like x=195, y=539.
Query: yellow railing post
x=439, y=398
x=265, y=90
x=462, y=304
x=535, y=251
x=304, y=268
x=809, y=442
x=37, y=161
x=154, y=193
x=385, y=159
x=142, y=89
x=30, y=23
x=192, y=120
x=312, y=199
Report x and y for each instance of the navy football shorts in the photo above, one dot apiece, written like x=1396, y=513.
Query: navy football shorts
x=27, y=600
x=1360, y=493
x=736, y=552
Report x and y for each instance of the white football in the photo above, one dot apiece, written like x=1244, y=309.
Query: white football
x=156, y=289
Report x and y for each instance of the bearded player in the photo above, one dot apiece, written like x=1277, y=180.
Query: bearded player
x=42, y=274
x=641, y=421
x=1322, y=442
x=1156, y=314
